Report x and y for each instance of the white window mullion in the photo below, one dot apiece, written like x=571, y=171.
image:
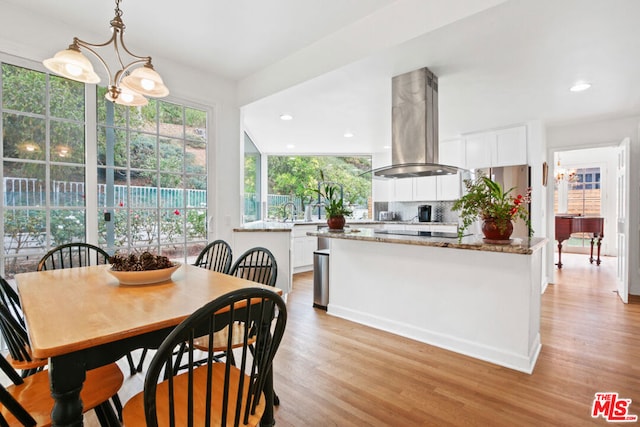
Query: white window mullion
x=91, y=165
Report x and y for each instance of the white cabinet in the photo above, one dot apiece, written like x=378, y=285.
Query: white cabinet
x=478, y=149
x=382, y=191
x=511, y=147
x=504, y=147
x=448, y=187
x=452, y=153
x=425, y=188
x=444, y=228
x=303, y=247
x=434, y=188
x=441, y=228
x=390, y=226
x=403, y=189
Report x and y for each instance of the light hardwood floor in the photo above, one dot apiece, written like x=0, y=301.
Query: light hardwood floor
x=331, y=372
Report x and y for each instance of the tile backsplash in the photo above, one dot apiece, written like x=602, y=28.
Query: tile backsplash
x=407, y=211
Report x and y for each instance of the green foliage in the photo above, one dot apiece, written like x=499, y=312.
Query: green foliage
x=23, y=228
x=333, y=202
x=23, y=89
x=486, y=199
x=298, y=176
x=67, y=226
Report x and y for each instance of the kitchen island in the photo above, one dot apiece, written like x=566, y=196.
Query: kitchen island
x=473, y=298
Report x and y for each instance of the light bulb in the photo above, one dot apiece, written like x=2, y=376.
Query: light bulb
x=73, y=69
x=126, y=97
x=147, y=84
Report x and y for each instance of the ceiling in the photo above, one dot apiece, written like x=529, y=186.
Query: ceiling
x=503, y=65
x=507, y=65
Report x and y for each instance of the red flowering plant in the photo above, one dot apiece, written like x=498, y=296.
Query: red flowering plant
x=487, y=199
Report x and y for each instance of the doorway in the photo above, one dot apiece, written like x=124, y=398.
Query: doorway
x=585, y=184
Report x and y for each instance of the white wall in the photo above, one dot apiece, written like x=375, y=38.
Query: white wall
x=34, y=37
x=603, y=133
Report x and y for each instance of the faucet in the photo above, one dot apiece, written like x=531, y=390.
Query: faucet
x=294, y=211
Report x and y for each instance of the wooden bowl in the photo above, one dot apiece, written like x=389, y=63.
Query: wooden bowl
x=144, y=277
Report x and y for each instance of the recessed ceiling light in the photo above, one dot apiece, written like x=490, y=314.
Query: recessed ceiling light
x=386, y=147
x=348, y=134
x=290, y=146
x=580, y=86
x=286, y=117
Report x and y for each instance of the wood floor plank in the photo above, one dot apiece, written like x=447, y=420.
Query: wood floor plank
x=331, y=372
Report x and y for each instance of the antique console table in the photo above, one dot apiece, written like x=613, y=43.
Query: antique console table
x=569, y=224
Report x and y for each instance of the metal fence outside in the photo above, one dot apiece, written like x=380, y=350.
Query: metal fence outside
x=32, y=192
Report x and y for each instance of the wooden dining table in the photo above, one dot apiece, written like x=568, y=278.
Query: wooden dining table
x=82, y=318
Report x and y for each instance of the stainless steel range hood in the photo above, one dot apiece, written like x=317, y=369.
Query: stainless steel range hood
x=414, y=143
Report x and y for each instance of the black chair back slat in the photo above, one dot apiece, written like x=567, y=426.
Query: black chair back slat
x=215, y=256
x=258, y=265
x=12, y=324
x=72, y=255
x=259, y=308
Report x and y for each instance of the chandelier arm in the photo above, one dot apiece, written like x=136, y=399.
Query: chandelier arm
x=124, y=68
x=138, y=57
x=89, y=46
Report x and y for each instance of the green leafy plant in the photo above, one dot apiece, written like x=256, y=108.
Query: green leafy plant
x=333, y=200
x=487, y=199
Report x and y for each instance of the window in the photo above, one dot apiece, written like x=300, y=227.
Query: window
x=151, y=163
x=292, y=179
x=152, y=171
x=252, y=173
x=43, y=165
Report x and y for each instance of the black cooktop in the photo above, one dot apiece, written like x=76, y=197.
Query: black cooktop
x=419, y=233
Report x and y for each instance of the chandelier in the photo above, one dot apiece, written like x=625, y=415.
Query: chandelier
x=562, y=174
x=131, y=83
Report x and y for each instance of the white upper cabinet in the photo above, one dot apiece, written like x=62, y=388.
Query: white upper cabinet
x=425, y=188
x=448, y=187
x=504, y=147
x=511, y=147
x=451, y=153
x=478, y=150
x=403, y=189
x=382, y=191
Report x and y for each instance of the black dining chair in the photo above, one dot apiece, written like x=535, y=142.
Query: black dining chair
x=258, y=265
x=215, y=256
x=81, y=254
x=28, y=400
x=72, y=255
x=19, y=354
x=214, y=393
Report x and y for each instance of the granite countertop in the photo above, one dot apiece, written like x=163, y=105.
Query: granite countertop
x=351, y=224
x=517, y=246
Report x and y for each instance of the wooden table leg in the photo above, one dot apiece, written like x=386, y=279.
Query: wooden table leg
x=559, y=264
x=599, y=245
x=66, y=375
x=591, y=256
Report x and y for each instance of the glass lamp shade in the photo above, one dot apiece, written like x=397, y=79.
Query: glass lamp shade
x=127, y=97
x=146, y=81
x=72, y=64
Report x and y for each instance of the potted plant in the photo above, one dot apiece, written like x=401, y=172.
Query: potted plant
x=486, y=200
x=334, y=205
